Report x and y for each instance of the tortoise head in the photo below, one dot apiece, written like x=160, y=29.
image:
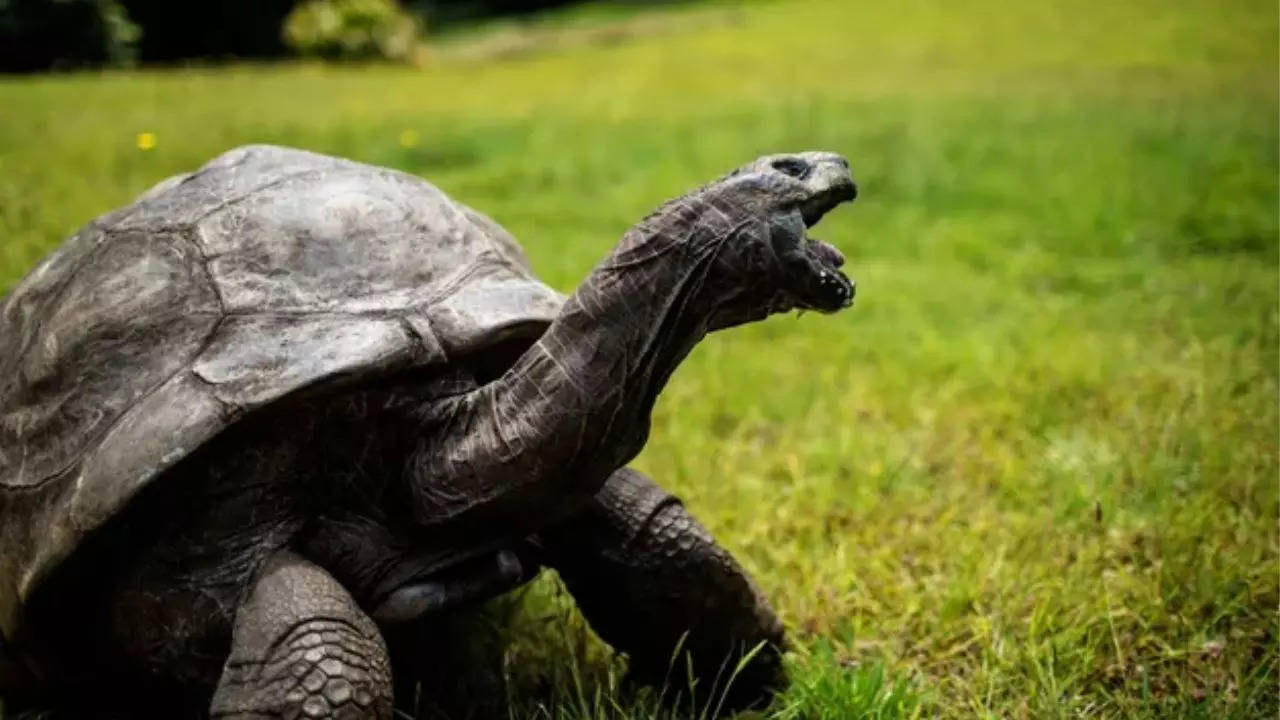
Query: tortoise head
x=770, y=264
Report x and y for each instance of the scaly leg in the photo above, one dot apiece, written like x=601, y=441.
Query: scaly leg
x=649, y=577
x=302, y=648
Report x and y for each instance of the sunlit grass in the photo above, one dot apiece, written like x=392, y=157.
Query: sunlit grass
x=1033, y=473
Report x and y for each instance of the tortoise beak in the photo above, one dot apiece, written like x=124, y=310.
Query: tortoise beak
x=814, y=266
x=830, y=184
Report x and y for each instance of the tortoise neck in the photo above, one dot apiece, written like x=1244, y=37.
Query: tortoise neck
x=597, y=371
x=619, y=339
x=576, y=405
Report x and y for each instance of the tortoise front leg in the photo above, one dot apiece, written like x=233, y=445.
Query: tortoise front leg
x=300, y=647
x=648, y=577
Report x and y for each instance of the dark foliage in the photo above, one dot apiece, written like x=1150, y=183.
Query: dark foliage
x=40, y=34
x=445, y=12
x=45, y=34
x=225, y=28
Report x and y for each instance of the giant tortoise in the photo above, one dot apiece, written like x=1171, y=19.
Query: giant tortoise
x=279, y=406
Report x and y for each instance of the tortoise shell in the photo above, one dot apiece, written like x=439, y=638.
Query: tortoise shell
x=267, y=272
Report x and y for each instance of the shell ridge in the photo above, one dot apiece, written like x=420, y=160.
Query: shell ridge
x=192, y=237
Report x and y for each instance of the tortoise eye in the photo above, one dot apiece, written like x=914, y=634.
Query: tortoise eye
x=794, y=167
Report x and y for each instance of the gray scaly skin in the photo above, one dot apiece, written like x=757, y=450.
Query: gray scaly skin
x=681, y=589
x=576, y=405
x=285, y=543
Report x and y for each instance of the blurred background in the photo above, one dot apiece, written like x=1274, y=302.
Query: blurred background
x=67, y=34
x=1032, y=474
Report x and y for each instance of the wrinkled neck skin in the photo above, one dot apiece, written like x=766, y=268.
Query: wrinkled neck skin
x=576, y=405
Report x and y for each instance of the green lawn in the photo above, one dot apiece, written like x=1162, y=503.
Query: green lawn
x=1033, y=473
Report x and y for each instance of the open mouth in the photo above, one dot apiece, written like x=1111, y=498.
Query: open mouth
x=814, y=279
x=813, y=209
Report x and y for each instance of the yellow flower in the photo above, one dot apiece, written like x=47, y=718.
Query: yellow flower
x=146, y=141
x=408, y=138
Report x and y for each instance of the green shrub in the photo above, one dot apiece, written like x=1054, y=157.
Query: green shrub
x=352, y=29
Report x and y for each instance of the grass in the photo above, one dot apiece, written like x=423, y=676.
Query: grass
x=1033, y=474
